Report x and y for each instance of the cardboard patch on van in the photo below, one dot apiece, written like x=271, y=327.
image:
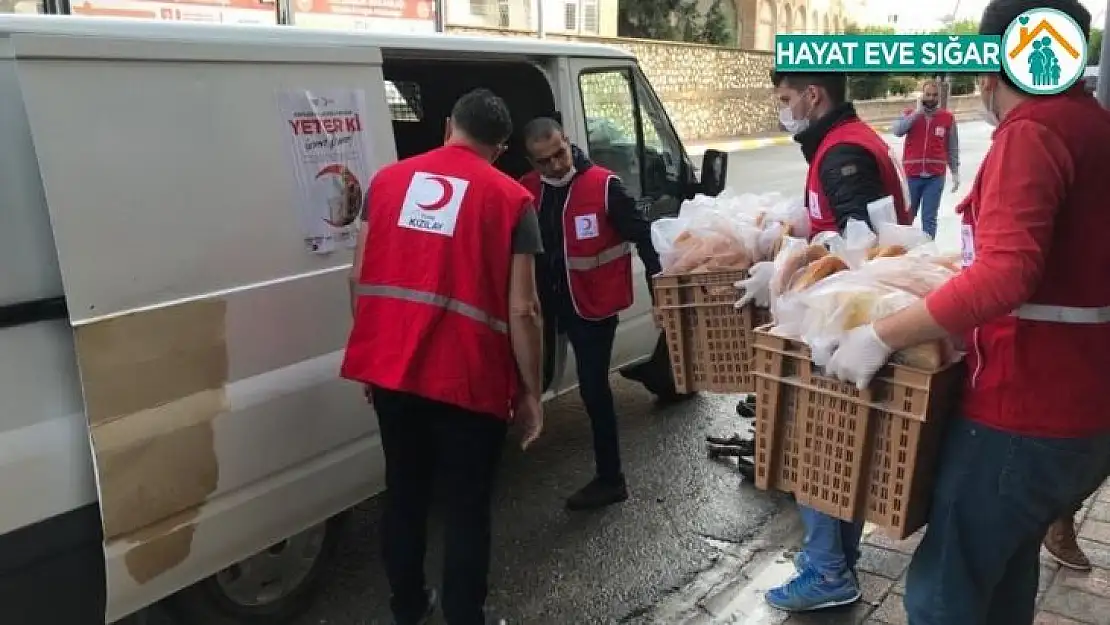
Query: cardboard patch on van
x=153, y=383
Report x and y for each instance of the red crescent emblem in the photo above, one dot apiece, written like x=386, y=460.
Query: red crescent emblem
x=446, y=193
x=353, y=189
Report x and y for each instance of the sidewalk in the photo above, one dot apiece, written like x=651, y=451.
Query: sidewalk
x=1066, y=597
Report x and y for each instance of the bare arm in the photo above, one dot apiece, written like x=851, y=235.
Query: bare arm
x=525, y=323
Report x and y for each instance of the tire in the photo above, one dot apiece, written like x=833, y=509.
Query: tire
x=216, y=600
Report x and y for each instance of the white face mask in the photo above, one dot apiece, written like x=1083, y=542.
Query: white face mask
x=986, y=110
x=560, y=182
x=793, y=126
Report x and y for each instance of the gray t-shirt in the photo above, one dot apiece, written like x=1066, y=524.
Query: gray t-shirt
x=526, y=235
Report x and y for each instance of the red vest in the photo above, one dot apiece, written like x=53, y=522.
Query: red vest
x=925, y=150
x=598, y=260
x=433, y=307
x=854, y=131
x=1042, y=371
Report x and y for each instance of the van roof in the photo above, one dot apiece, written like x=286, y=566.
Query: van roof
x=70, y=25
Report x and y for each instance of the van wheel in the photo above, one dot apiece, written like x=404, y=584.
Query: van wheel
x=269, y=588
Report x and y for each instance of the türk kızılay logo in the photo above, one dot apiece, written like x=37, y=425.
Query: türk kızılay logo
x=1044, y=51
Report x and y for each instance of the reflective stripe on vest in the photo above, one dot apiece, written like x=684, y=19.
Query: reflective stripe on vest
x=1063, y=314
x=433, y=299
x=586, y=263
x=922, y=161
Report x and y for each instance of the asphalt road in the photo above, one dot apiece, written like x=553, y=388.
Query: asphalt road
x=558, y=568
x=551, y=567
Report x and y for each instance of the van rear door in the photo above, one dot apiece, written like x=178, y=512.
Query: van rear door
x=208, y=334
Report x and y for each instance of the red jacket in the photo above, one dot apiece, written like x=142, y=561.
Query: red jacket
x=1034, y=299
x=598, y=259
x=432, y=316
x=925, y=150
x=821, y=215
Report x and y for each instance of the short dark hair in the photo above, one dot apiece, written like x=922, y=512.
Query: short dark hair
x=999, y=14
x=541, y=128
x=483, y=116
x=834, y=83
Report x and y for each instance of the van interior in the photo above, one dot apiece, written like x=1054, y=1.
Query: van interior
x=420, y=95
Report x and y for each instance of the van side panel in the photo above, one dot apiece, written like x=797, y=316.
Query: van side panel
x=208, y=338
x=51, y=560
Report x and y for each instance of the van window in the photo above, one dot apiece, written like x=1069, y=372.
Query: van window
x=629, y=133
x=612, y=124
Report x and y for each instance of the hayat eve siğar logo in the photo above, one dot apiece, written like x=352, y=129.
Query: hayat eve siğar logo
x=1045, y=51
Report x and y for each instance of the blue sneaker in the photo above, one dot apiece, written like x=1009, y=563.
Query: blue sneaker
x=801, y=562
x=810, y=591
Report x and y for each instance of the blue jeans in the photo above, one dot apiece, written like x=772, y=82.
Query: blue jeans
x=995, y=496
x=831, y=545
x=925, y=194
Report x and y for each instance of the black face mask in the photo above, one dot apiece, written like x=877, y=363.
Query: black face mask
x=929, y=106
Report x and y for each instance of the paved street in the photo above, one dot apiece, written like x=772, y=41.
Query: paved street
x=673, y=551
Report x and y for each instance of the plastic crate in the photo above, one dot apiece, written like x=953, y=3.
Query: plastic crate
x=854, y=455
x=708, y=338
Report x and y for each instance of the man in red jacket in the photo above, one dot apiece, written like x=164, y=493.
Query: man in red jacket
x=1032, y=439
x=932, y=145
x=448, y=342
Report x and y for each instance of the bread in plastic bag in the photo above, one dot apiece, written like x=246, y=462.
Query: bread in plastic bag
x=822, y=313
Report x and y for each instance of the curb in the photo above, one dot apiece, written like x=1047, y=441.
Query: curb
x=741, y=145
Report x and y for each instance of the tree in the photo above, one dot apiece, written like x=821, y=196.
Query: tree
x=1094, y=47
x=674, y=20
x=716, y=29
x=871, y=85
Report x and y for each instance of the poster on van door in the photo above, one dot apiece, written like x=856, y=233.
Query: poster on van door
x=330, y=162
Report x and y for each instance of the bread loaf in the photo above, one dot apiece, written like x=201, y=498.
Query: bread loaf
x=792, y=264
x=818, y=270
x=928, y=356
x=886, y=251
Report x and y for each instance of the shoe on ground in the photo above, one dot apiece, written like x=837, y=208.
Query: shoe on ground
x=598, y=494
x=1060, y=543
x=728, y=441
x=811, y=591
x=801, y=563
x=671, y=398
x=428, y=611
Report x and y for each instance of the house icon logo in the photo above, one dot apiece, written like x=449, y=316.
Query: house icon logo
x=1045, y=51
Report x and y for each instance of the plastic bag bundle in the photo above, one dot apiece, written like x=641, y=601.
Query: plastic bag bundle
x=823, y=312
x=725, y=232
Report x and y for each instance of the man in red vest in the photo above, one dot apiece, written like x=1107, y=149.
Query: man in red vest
x=588, y=221
x=849, y=167
x=931, y=146
x=446, y=336
x=1032, y=439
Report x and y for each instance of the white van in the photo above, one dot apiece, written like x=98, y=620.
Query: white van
x=172, y=425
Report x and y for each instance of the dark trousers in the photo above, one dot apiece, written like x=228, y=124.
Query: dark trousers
x=995, y=496
x=420, y=438
x=592, y=342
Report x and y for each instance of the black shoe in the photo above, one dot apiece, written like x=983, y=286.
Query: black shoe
x=746, y=409
x=732, y=441
x=598, y=494
x=672, y=398
x=746, y=468
x=428, y=611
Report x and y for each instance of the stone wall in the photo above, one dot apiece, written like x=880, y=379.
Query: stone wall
x=965, y=107
x=710, y=92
